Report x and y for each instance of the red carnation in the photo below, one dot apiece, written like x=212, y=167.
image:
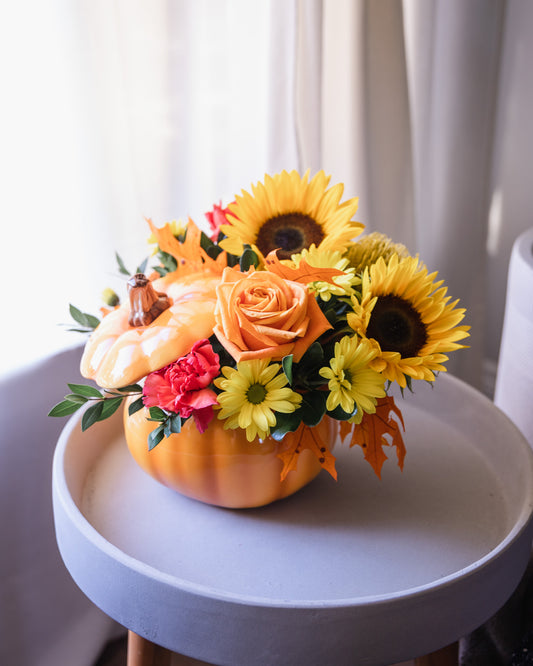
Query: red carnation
x=182, y=386
x=216, y=217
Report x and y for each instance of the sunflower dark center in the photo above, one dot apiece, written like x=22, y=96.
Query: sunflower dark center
x=289, y=233
x=397, y=326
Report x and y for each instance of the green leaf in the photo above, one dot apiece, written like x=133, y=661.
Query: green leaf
x=175, y=423
x=313, y=407
x=155, y=437
x=331, y=316
x=92, y=415
x=232, y=260
x=209, y=247
x=142, y=267
x=64, y=408
x=131, y=388
x=86, y=390
x=205, y=241
x=78, y=315
x=79, y=330
x=313, y=356
x=121, y=268
x=110, y=407
x=285, y=423
x=248, y=258
x=157, y=414
x=213, y=251
x=340, y=415
x=172, y=424
x=92, y=320
x=135, y=406
x=86, y=320
x=79, y=399
x=286, y=364
x=167, y=261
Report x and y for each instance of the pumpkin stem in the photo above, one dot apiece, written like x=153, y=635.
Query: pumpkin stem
x=145, y=302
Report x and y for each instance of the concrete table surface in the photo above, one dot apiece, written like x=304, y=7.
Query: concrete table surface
x=360, y=571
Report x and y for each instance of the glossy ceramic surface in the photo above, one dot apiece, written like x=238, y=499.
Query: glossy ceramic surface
x=220, y=466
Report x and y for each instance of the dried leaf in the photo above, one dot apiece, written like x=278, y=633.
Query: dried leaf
x=376, y=431
x=295, y=443
x=304, y=273
x=189, y=255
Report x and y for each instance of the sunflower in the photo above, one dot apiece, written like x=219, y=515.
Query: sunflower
x=370, y=247
x=328, y=259
x=289, y=213
x=407, y=316
x=251, y=393
x=352, y=382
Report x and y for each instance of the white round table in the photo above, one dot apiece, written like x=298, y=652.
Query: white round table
x=360, y=571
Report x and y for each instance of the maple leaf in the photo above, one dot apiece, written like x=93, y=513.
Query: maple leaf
x=376, y=431
x=304, y=273
x=295, y=443
x=189, y=254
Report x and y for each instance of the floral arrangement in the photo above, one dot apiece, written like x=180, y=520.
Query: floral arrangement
x=285, y=314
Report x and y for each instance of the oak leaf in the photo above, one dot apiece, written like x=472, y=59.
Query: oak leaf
x=295, y=443
x=304, y=273
x=189, y=254
x=376, y=431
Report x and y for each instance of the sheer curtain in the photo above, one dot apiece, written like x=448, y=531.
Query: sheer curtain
x=425, y=114
x=417, y=136
x=135, y=109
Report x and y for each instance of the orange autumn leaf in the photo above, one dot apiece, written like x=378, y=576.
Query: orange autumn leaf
x=304, y=273
x=189, y=254
x=105, y=311
x=376, y=431
x=295, y=443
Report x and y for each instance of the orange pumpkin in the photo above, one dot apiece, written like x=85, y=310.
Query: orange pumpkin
x=222, y=467
x=118, y=354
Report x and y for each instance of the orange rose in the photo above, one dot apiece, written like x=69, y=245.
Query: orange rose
x=261, y=315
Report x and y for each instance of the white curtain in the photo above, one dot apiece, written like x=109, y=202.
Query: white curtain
x=416, y=138
x=132, y=109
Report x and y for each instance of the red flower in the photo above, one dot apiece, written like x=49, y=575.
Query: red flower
x=182, y=386
x=216, y=217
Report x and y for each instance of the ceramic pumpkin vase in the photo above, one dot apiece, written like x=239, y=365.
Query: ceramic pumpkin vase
x=221, y=467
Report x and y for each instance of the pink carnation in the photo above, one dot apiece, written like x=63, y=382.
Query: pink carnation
x=182, y=386
x=216, y=217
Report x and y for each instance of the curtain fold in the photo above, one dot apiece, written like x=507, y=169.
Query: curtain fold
x=415, y=138
x=453, y=178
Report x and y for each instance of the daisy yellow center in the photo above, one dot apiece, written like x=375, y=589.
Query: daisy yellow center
x=290, y=232
x=397, y=326
x=256, y=393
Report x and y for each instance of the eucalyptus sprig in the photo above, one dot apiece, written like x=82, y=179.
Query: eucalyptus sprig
x=169, y=422
x=106, y=402
x=86, y=322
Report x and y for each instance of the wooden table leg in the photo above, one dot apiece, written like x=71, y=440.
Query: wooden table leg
x=142, y=652
x=447, y=656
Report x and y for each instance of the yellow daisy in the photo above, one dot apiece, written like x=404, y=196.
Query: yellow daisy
x=288, y=212
x=406, y=315
x=328, y=259
x=251, y=393
x=352, y=381
x=366, y=250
